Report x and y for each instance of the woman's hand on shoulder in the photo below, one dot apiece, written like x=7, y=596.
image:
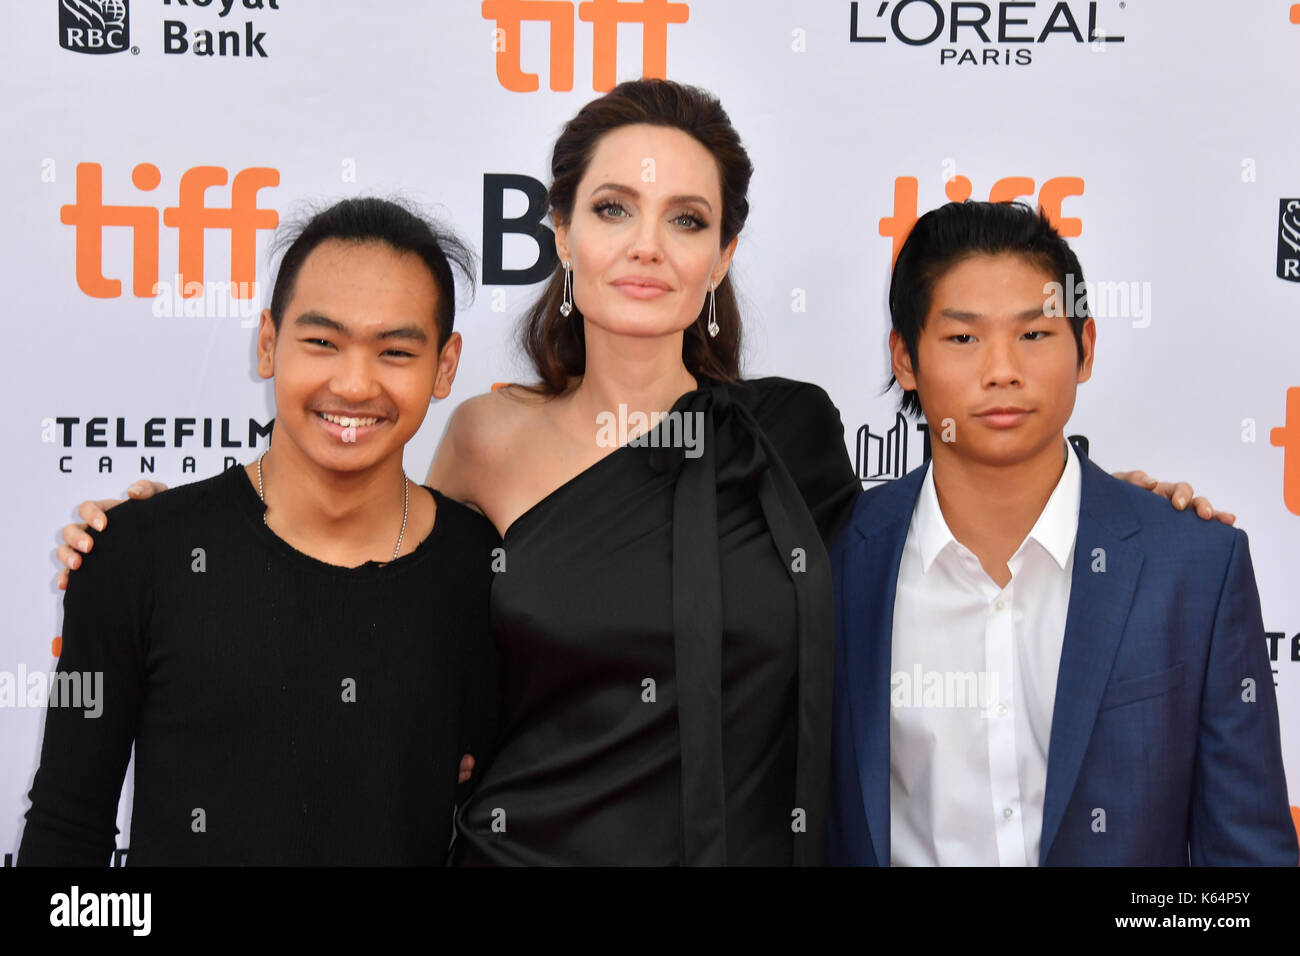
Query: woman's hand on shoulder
x=94, y=514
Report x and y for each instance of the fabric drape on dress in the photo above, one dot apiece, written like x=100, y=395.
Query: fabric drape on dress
x=706, y=579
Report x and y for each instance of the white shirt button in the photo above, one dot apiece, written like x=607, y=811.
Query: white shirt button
x=1007, y=813
x=1000, y=604
x=1002, y=710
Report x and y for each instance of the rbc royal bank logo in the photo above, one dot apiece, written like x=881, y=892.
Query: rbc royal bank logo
x=94, y=26
x=604, y=17
x=1288, y=238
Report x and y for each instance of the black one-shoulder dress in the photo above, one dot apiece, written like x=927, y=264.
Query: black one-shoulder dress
x=666, y=628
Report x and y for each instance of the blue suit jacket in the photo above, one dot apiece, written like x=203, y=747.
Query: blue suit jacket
x=1149, y=723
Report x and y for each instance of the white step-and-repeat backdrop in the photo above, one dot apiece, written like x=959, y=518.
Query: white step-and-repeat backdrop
x=152, y=146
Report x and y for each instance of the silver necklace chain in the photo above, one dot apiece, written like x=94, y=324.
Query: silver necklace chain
x=406, y=503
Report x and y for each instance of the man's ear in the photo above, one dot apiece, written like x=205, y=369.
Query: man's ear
x=724, y=261
x=266, y=336
x=1088, y=340
x=448, y=362
x=901, y=362
x=561, y=238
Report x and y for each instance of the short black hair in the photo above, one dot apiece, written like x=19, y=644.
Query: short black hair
x=945, y=236
x=372, y=219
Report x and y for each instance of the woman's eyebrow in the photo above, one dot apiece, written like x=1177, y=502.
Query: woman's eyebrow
x=629, y=191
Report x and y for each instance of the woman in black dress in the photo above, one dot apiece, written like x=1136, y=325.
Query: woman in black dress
x=664, y=616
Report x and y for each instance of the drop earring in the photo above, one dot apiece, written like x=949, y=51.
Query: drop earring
x=566, y=304
x=713, y=312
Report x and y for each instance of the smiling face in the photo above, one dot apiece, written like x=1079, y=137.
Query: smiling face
x=995, y=358
x=356, y=359
x=644, y=240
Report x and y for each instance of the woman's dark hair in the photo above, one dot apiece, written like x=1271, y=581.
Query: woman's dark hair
x=554, y=343
x=944, y=236
x=371, y=219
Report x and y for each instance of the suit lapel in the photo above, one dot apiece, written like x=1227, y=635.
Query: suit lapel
x=879, y=532
x=1099, y=607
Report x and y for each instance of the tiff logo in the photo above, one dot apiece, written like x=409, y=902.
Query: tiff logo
x=191, y=217
x=1287, y=437
x=958, y=189
x=604, y=17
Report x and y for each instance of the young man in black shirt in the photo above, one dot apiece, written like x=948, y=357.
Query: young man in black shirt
x=297, y=649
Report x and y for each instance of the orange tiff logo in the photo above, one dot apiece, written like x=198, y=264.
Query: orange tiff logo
x=1287, y=437
x=191, y=217
x=958, y=189
x=604, y=17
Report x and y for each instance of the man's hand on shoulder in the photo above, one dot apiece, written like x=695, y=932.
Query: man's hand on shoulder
x=1179, y=493
x=76, y=540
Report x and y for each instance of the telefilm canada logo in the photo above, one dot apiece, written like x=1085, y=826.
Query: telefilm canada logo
x=106, y=444
x=94, y=26
x=1288, y=240
x=980, y=34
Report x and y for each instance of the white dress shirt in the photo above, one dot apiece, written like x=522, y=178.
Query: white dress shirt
x=973, y=684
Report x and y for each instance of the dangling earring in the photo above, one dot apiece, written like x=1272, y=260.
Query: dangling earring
x=713, y=312
x=566, y=306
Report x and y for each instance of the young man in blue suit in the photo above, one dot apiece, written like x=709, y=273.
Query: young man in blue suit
x=1037, y=663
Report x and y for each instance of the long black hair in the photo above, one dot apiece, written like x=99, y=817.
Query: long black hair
x=555, y=343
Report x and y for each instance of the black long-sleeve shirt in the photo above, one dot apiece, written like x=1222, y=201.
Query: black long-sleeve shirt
x=282, y=710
